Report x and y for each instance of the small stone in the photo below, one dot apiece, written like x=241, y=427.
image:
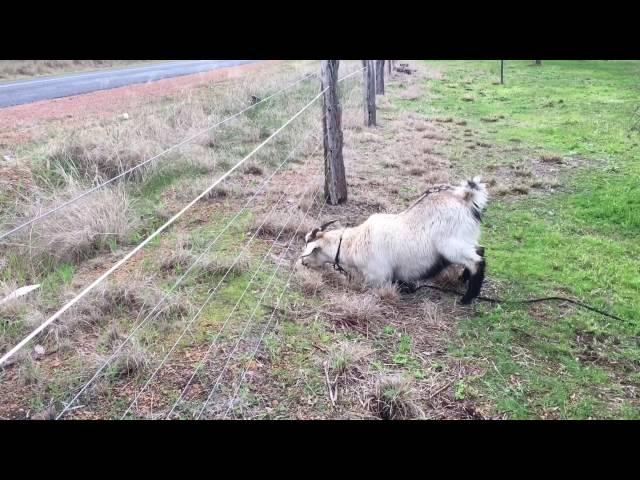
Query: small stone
x=39, y=351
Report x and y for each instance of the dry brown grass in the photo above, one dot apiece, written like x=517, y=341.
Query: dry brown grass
x=182, y=257
x=80, y=229
x=253, y=170
x=130, y=300
x=412, y=92
x=29, y=372
x=312, y=199
x=388, y=293
x=309, y=281
x=393, y=397
x=433, y=136
x=190, y=188
x=284, y=224
x=520, y=190
x=353, y=310
x=101, y=153
x=178, y=259
x=521, y=170
x=346, y=357
x=131, y=360
x=217, y=265
x=551, y=159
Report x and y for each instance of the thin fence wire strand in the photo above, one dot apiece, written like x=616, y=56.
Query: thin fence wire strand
x=102, y=277
x=136, y=249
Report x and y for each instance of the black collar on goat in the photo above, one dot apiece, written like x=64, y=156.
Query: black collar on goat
x=336, y=260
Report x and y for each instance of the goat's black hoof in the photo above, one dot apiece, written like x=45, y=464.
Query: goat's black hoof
x=466, y=301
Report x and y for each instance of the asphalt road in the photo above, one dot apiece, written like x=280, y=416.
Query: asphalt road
x=46, y=88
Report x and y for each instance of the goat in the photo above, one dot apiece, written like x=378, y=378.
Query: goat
x=441, y=228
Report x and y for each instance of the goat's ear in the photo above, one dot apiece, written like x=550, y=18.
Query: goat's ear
x=324, y=226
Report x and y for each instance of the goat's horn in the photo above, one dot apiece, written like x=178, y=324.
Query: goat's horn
x=312, y=235
x=322, y=228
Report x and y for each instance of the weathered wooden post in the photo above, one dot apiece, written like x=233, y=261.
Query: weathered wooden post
x=379, y=77
x=369, y=89
x=335, y=182
x=501, y=72
x=389, y=68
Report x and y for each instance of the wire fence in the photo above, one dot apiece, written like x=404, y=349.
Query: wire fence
x=179, y=408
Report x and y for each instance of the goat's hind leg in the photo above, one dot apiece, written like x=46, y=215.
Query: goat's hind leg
x=466, y=273
x=472, y=259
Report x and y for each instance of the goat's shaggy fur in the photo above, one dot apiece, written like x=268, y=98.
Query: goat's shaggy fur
x=441, y=228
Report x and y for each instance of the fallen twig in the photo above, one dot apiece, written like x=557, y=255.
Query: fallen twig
x=331, y=396
x=445, y=386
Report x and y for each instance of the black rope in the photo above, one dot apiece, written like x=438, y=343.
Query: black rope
x=532, y=300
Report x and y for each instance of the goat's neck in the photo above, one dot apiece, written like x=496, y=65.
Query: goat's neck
x=345, y=247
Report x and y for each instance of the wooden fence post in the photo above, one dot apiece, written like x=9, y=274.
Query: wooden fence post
x=501, y=72
x=369, y=91
x=335, y=182
x=389, y=68
x=379, y=77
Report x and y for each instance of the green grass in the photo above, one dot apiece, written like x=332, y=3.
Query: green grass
x=582, y=242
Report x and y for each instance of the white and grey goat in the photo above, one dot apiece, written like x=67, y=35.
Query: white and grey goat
x=441, y=228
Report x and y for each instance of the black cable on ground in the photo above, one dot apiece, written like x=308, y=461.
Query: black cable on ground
x=532, y=300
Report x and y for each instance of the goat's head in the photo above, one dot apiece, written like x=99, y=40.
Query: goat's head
x=319, y=247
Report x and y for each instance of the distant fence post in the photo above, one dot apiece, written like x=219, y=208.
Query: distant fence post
x=389, y=68
x=335, y=182
x=369, y=90
x=501, y=72
x=538, y=62
x=379, y=77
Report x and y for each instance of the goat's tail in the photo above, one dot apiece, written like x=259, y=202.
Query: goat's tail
x=474, y=192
